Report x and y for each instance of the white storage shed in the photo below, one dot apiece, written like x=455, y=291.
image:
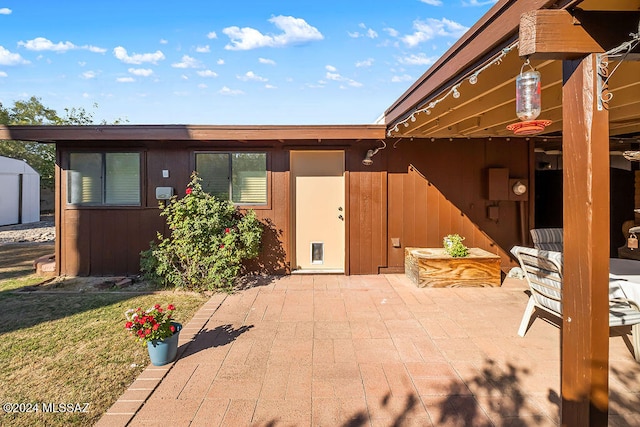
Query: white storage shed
x=19, y=192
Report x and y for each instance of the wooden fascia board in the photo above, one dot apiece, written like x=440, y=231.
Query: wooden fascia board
x=481, y=42
x=192, y=133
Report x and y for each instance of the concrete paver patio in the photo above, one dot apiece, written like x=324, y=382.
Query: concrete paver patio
x=330, y=350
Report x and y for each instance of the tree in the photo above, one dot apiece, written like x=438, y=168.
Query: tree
x=39, y=156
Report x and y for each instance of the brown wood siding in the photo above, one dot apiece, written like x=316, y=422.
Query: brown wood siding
x=437, y=188
x=367, y=190
x=417, y=192
x=107, y=241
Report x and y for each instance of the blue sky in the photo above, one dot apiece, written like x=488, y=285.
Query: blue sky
x=219, y=62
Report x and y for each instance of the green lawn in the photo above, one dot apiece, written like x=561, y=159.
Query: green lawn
x=71, y=347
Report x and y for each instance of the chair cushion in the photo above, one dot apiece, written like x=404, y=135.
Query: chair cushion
x=547, y=239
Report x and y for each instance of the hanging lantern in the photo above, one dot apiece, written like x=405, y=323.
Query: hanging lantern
x=528, y=103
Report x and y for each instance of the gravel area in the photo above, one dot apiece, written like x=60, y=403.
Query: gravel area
x=41, y=231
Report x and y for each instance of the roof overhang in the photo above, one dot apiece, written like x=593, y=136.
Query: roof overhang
x=191, y=133
x=489, y=51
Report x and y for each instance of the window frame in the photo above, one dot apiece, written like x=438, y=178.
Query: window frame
x=103, y=204
x=254, y=206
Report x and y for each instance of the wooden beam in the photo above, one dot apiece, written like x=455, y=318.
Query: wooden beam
x=554, y=34
x=558, y=34
x=585, y=323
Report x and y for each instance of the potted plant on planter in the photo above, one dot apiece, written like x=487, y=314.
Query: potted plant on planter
x=155, y=328
x=454, y=247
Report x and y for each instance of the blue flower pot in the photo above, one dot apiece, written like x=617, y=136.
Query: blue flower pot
x=162, y=352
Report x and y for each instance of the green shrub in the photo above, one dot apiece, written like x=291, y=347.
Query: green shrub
x=209, y=239
x=453, y=246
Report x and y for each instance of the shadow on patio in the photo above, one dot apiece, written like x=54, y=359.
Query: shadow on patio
x=371, y=350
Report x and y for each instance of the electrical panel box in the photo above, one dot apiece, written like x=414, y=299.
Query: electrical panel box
x=164, y=193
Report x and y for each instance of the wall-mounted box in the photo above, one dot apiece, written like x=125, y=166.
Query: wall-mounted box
x=164, y=193
x=498, y=183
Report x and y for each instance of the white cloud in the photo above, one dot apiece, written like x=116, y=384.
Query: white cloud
x=89, y=75
x=203, y=49
x=251, y=76
x=295, y=31
x=402, y=78
x=164, y=41
x=212, y=35
x=427, y=30
x=94, y=49
x=137, y=58
x=370, y=33
x=474, y=3
x=268, y=86
x=143, y=72
x=220, y=62
x=125, y=80
x=40, y=43
x=5, y=11
x=392, y=32
x=85, y=95
x=207, y=73
x=366, y=63
x=419, y=59
x=43, y=44
x=227, y=91
x=266, y=61
x=339, y=78
x=188, y=62
x=330, y=68
x=432, y=2
x=3, y=74
x=8, y=58
x=184, y=77
x=202, y=86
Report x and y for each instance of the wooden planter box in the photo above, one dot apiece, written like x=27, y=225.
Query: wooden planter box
x=433, y=267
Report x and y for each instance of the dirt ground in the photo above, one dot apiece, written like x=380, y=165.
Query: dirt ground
x=16, y=260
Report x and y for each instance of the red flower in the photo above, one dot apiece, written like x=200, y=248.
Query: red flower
x=128, y=325
x=155, y=327
x=147, y=331
x=157, y=306
x=173, y=328
x=226, y=230
x=141, y=333
x=222, y=246
x=188, y=190
x=171, y=307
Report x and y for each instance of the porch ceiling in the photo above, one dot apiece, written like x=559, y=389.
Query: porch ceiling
x=485, y=108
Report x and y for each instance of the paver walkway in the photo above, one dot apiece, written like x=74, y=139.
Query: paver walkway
x=365, y=351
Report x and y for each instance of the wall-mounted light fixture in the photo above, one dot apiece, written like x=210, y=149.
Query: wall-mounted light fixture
x=519, y=188
x=368, y=160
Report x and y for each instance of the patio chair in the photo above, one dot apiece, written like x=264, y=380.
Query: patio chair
x=547, y=239
x=543, y=273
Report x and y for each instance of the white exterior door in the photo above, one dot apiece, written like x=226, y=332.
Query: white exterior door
x=318, y=190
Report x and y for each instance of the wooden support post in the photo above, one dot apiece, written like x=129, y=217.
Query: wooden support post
x=585, y=329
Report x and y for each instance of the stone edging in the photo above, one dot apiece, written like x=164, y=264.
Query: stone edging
x=127, y=405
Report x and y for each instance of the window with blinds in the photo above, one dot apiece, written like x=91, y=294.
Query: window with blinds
x=239, y=177
x=104, y=179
